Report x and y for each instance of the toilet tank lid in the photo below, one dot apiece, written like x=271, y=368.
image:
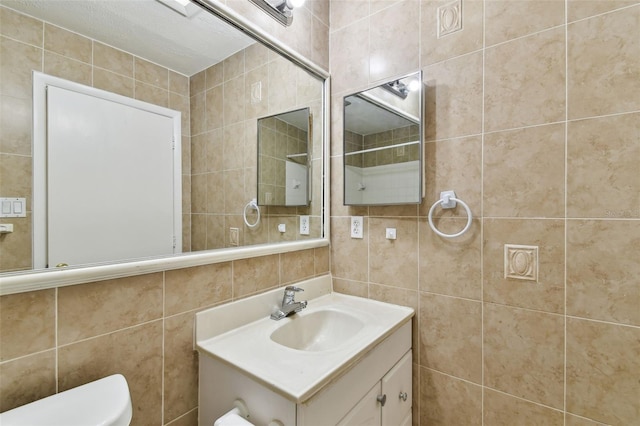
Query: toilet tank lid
x=104, y=402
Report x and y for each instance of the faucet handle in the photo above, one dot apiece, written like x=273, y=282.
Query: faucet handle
x=293, y=288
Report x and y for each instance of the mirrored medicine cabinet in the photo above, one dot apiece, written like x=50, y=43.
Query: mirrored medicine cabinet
x=283, y=159
x=383, y=144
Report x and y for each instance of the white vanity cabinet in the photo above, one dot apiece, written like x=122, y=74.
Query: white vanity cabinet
x=347, y=360
x=388, y=403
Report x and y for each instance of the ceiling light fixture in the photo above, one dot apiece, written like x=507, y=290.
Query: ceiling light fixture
x=397, y=87
x=281, y=10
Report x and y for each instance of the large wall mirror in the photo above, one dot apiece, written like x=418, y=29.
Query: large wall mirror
x=383, y=144
x=191, y=62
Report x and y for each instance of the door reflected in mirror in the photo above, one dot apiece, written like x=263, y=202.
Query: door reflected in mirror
x=383, y=144
x=283, y=159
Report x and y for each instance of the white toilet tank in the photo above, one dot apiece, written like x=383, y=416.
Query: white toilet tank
x=105, y=402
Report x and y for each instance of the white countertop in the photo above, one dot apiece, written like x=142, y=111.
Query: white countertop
x=295, y=374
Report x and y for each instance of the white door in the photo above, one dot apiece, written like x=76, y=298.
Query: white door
x=109, y=181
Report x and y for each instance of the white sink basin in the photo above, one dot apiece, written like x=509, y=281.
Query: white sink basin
x=319, y=331
x=297, y=355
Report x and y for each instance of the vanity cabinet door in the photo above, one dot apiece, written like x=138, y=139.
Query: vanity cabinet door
x=366, y=412
x=396, y=385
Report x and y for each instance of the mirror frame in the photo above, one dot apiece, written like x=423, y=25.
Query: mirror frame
x=21, y=282
x=421, y=160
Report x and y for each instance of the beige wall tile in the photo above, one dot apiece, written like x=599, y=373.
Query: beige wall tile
x=282, y=97
x=198, y=287
x=112, y=82
x=17, y=60
x=188, y=419
x=112, y=59
x=353, y=288
x=93, y=309
x=233, y=193
x=445, y=400
x=503, y=409
x=296, y=266
x=15, y=253
x=15, y=176
x=603, y=159
x=233, y=105
x=233, y=66
x=349, y=63
x=450, y=340
x=152, y=94
x=469, y=39
x=181, y=103
x=178, y=83
x=349, y=256
x=214, y=108
x=593, y=46
x=319, y=42
x=571, y=420
x=547, y=294
x=453, y=98
x=255, y=56
x=506, y=20
x=150, y=73
x=27, y=323
x=394, y=262
x=140, y=364
x=180, y=366
x=531, y=365
x=346, y=12
x=215, y=193
x=524, y=172
x=525, y=81
x=322, y=260
x=453, y=164
x=68, y=44
x=67, y=68
x=21, y=27
x=27, y=379
x=603, y=270
x=15, y=125
x=255, y=274
x=451, y=267
x=214, y=76
x=198, y=123
x=580, y=9
x=395, y=50
x=198, y=83
x=603, y=361
x=233, y=146
x=259, y=75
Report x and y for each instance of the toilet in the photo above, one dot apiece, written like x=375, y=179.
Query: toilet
x=105, y=402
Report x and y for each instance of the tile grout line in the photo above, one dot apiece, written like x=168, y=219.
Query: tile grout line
x=566, y=174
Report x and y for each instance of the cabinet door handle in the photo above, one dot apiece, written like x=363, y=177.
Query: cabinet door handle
x=403, y=396
x=382, y=399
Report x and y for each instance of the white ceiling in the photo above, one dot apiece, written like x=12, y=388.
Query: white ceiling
x=146, y=28
x=366, y=118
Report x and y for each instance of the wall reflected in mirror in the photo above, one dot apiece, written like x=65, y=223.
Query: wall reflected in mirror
x=219, y=79
x=283, y=159
x=383, y=144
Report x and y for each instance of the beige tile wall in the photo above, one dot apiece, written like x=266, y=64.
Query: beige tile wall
x=28, y=44
x=141, y=327
x=533, y=118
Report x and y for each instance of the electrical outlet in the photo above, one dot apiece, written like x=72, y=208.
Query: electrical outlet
x=304, y=225
x=357, y=224
x=390, y=233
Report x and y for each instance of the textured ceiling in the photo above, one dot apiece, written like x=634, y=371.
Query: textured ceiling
x=146, y=28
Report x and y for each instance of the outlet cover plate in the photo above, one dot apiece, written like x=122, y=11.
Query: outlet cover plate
x=304, y=225
x=357, y=224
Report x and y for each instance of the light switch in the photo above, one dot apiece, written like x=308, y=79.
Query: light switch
x=6, y=207
x=13, y=207
x=391, y=233
x=17, y=207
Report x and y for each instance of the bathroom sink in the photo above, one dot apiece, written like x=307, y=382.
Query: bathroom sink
x=297, y=355
x=318, y=331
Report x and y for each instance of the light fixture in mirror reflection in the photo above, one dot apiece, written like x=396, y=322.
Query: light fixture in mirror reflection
x=283, y=159
x=383, y=144
x=200, y=66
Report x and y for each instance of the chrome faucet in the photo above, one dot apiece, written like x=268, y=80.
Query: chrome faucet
x=289, y=304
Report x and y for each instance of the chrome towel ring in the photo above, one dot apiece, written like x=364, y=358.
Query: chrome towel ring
x=253, y=204
x=448, y=200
